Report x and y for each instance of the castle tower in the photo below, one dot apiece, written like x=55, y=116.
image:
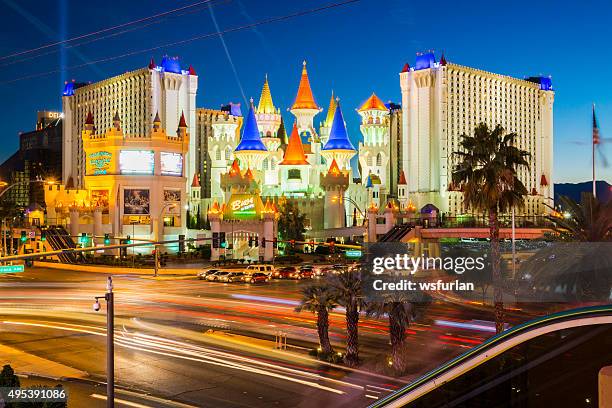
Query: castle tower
x=338, y=146
x=251, y=151
x=294, y=169
x=268, y=122
x=268, y=118
x=305, y=108
x=325, y=127
x=221, y=148
x=374, y=151
x=334, y=182
x=402, y=190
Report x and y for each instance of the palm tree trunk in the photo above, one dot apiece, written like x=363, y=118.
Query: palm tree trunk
x=323, y=330
x=498, y=299
x=352, y=335
x=397, y=334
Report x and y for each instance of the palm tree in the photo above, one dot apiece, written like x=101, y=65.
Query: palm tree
x=319, y=299
x=401, y=310
x=347, y=289
x=579, y=267
x=486, y=172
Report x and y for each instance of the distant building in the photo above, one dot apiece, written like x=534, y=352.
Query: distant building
x=137, y=96
x=39, y=157
x=441, y=101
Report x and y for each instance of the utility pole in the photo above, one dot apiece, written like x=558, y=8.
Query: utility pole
x=110, y=341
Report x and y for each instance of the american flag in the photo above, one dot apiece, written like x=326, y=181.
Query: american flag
x=596, y=139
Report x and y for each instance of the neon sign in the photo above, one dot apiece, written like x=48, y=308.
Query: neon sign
x=246, y=205
x=99, y=162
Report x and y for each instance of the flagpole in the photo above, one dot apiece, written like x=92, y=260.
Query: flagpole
x=593, y=151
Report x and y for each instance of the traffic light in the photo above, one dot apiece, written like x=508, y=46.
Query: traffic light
x=332, y=247
x=107, y=239
x=223, y=243
x=292, y=242
x=123, y=250
x=24, y=237
x=275, y=243
x=215, y=240
x=43, y=235
x=128, y=240
x=181, y=244
x=263, y=242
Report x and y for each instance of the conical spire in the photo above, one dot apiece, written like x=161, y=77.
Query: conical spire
x=89, y=120
x=338, y=137
x=157, y=119
x=330, y=111
x=443, y=60
x=251, y=140
x=294, y=154
x=196, y=181
x=304, y=98
x=282, y=133
x=406, y=67
x=373, y=103
x=191, y=70
x=182, y=122
x=152, y=64
x=334, y=169
x=235, y=169
x=402, y=178
x=265, y=100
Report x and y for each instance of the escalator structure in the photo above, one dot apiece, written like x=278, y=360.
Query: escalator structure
x=396, y=233
x=552, y=361
x=60, y=240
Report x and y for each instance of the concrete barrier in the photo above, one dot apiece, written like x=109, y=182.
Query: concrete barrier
x=116, y=270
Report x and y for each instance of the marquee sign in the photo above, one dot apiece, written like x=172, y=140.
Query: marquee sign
x=243, y=206
x=248, y=204
x=99, y=162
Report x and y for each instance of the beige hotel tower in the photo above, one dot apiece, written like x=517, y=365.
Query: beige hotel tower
x=441, y=101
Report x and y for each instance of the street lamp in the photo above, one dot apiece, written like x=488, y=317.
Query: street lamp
x=110, y=341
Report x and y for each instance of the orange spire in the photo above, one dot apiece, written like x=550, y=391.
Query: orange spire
x=373, y=103
x=196, y=181
x=334, y=169
x=294, y=154
x=402, y=178
x=235, y=169
x=304, y=98
x=249, y=174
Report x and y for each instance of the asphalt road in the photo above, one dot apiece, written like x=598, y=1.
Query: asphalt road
x=172, y=338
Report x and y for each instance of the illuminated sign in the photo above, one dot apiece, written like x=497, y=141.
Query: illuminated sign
x=171, y=164
x=136, y=162
x=11, y=268
x=353, y=253
x=99, y=162
x=244, y=206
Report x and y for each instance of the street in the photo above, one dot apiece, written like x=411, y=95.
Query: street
x=213, y=344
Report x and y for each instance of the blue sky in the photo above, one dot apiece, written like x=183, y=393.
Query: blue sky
x=354, y=50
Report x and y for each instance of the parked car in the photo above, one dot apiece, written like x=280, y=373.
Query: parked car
x=257, y=277
x=204, y=274
x=232, y=277
x=216, y=277
x=267, y=269
x=286, y=272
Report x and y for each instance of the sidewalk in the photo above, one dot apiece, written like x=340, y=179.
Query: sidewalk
x=31, y=365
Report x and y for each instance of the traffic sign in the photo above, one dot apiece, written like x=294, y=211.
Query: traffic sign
x=11, y=268
x=353, y=253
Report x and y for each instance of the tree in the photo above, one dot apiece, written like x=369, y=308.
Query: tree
x=319, y=299
x=8, y=377
x=578, y=266
x=401, y=309
x=348, y=291
x=291, y=222
x=486, y=173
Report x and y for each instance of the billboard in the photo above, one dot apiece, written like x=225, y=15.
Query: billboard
x=99, y=163
x=136, y=201
x=172, y=195
x=99, y=198
x=171, y=164
x=136, y=162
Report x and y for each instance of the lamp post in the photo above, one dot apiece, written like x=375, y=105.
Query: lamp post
x=110, y=341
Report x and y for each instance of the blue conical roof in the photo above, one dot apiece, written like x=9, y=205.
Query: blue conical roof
x=251, y=140
x=338, y=136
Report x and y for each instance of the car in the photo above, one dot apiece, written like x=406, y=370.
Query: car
x=216, y=277
x=232, y=277
x=285, y=273
x=257, y=277
x=204, y=274
x=306, y=274
x=263, y=268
